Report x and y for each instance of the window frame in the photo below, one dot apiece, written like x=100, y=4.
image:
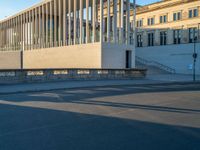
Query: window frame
x=177, y=36
x=192, y=14
x=163, y=37
x=139, y=40
x=194, y=32
x=150, y=21
x=151, y=37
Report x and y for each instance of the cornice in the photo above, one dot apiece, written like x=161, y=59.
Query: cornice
x=161, y=5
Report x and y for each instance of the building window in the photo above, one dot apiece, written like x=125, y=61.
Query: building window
x=177, y=16
x=163, y=19
x=177, y=36
x=139, y=40
x=193, y=13
x=193, y=34
x=150, y=39
x=163, y=38
x=151, y=21
x=139, y=23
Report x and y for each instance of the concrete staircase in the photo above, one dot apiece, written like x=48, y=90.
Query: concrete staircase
x=153, y=67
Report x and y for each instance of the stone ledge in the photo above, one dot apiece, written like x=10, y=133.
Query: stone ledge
x=9, y=76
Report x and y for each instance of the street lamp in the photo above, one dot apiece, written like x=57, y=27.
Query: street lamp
x=194, y=59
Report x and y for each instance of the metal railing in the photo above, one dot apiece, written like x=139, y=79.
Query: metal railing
x=147, y=63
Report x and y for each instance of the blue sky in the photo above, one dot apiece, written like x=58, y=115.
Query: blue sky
x=9, y=7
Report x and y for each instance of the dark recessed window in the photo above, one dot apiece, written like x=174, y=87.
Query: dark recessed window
x=139, y=40
x=177, y=36
x=193, y=13
x=139, y=23
x=163, y=38
x=151, y=21
x=150, y=39
x=163, y=19
x=177, y=16
x=193, y=34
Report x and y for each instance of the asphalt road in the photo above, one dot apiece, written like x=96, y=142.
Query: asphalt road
x=151, y=117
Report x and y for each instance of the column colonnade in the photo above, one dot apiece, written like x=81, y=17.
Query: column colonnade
x=54, y=23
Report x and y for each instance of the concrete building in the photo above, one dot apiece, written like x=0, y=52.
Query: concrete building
x=166, y=32
x=69, y=34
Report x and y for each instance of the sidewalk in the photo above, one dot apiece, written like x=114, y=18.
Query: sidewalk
x=150, y=79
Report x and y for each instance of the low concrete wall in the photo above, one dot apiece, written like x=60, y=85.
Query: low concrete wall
x=44, y=75
x=114, y=55
x=75, y=56
x=178, y=57
x=10, y=60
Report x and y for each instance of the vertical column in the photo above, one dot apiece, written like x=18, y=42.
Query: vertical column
x=8, y=33
x=43, y=26
x=60, y=23
x=170, y=36
x=4, y=41
x=64, y=22
x=69, y=9
x=2, y=35
x=30, y=27
x=75, y=26
x=10, y=40
x=13, y=22
x=157, y=37
x=108, y=20
x=55, y=23
x=81, y=21
x=16, y=27
x=24, y=32
x=18, y=33
x=122, y=21
x=33, y=29
x=94, y=20
x=12, y=35
x=115, y=21
x=134, y=23
x=5, y=35
x=87, y=21
x=15, y=34
x=1, y=39
x=27, y=23
x=47, y=28
x=128, y=21
x=51, y=23
x=21, y=16
x=40, y=32
x=36, y=27
x=101, y=21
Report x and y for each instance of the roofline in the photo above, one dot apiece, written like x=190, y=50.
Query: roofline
x=20, y=12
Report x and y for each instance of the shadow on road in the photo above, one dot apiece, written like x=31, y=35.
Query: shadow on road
x=87, y=96
x=26, y=128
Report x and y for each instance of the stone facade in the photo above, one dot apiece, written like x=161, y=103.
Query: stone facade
x=179, y=15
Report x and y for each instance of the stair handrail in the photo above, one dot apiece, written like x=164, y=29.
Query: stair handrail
x=156, y=64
